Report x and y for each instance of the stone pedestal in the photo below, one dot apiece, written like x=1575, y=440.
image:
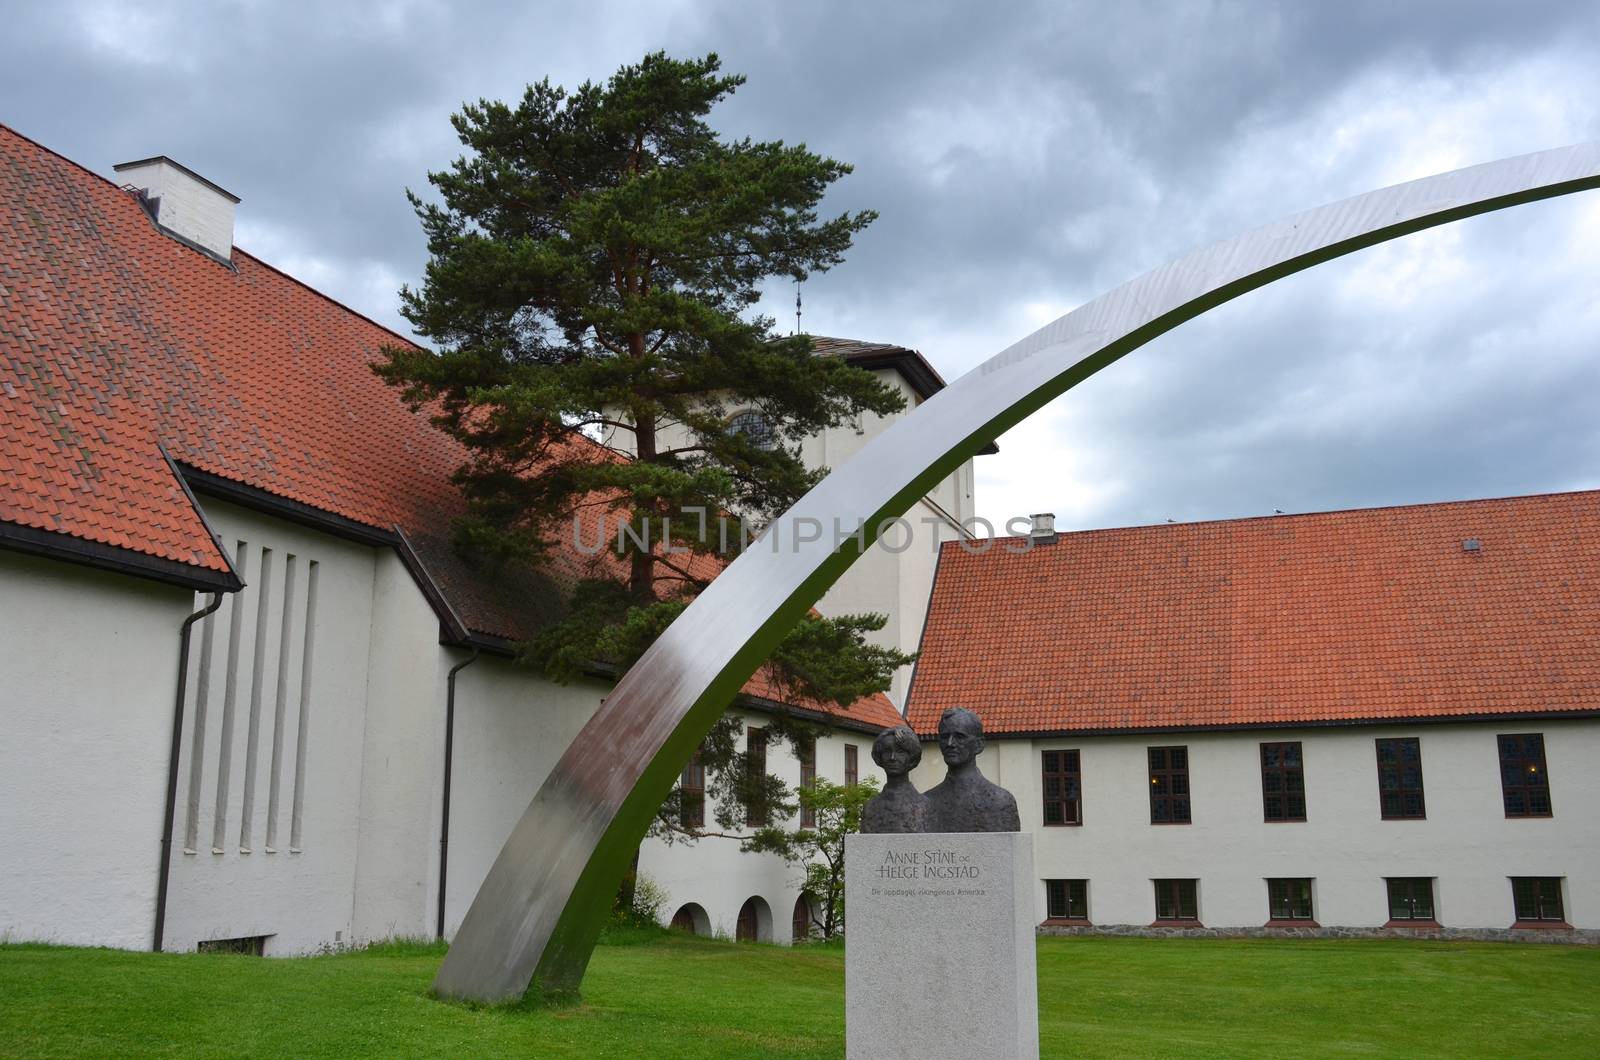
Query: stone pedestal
x=939, y=946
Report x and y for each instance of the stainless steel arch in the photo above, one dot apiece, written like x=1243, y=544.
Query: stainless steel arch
x=540, y=909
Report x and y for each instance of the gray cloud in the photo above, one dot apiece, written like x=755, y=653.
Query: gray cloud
x=1024, y=157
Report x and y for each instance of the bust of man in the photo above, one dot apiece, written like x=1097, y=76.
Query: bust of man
x=968, y=801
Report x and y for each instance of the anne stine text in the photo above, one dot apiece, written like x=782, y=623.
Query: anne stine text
x=927, y=865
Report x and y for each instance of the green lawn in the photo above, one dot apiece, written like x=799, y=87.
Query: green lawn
x=682, y=997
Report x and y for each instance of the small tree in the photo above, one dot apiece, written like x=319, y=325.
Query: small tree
x=819, y=851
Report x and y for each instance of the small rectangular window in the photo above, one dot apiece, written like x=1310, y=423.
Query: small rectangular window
x=1062, y=802
x=1169, y=785
x=808, y=780
x=1410, y=897
x=851, y=774
x=692, y=794
x=1289, y=899
x=1176, y=900
x=1524, y=781
x=1067, y=899
x=1537, y=898
x=1283, y=783
x=1400, y=779
x=755, y=764
x=249, y=946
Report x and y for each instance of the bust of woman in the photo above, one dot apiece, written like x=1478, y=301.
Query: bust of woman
x=900, y=807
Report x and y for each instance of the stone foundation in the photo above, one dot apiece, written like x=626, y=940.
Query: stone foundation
x=1575, y=936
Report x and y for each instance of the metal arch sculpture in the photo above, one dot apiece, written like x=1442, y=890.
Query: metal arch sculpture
x=539, y=911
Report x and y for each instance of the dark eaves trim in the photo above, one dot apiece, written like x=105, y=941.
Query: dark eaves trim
x=1267, y=726
x=452, y=630
x=258, y=499
x=910, y=364
x=450, y=624
x=199, y=512
x=760, y=704
x=101, y=556
x=770, y=706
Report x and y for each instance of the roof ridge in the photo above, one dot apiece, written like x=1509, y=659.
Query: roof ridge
x=1312, y=515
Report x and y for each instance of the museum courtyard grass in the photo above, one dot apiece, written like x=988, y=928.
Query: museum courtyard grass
x=683, y=997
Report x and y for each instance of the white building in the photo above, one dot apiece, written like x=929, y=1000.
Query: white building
x=193, y=441
x=1382, y=720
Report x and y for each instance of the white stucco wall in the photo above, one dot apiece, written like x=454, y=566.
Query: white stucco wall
x=1466, y=843
x=714, y=874
x=300, y=898
x=88, y=675
x=402, y=765
x=511, y=728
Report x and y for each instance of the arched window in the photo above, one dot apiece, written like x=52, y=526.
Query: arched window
x=756, y=428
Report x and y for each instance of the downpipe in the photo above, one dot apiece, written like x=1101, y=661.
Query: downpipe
x=444, y=810
x=172, y=768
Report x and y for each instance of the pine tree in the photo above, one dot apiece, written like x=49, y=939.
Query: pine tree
x=595, y=258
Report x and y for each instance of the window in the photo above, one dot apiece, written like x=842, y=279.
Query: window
x=808, y=779
x=1175, y=900
x=250, y=945
x=755, y=768
x=755, y=427
x=1283, y=783
x=692, y=794
x=1537, y=898
x=1410, y=898
x=1066, y=899
x=850, y=774
x=1400, y=778
x=1062, y=803
x=1289, y=899
x=1169, y=785
x=1523, y=779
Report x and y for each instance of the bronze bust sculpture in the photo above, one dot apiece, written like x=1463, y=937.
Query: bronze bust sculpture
x=900, y=807
x=967, y=801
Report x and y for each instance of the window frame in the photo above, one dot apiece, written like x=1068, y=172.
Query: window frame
x=1177, y=888
x=765, y=438
x=1073, y=894
x=1283, y=895
x=852, y=764
x=757, y=814
x=1287, y=776
x=1521, y=766
x=1397, y=771
x=807, y=753
x=1545, y=890
x=1411, y=884
x=692, y=794
x=1071, y=781
x=1168, y=773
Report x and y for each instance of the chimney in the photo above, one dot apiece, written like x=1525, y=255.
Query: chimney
x=183, y=204
x=1043, y=530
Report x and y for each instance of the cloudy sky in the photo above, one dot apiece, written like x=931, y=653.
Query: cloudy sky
x=1024, y=159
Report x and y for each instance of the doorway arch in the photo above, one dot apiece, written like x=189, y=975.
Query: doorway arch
x=691, y=918
x=800, y=926
x=755, y=921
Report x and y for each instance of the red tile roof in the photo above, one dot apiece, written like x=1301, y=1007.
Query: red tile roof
x=1333, y=618
x=117, y=341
